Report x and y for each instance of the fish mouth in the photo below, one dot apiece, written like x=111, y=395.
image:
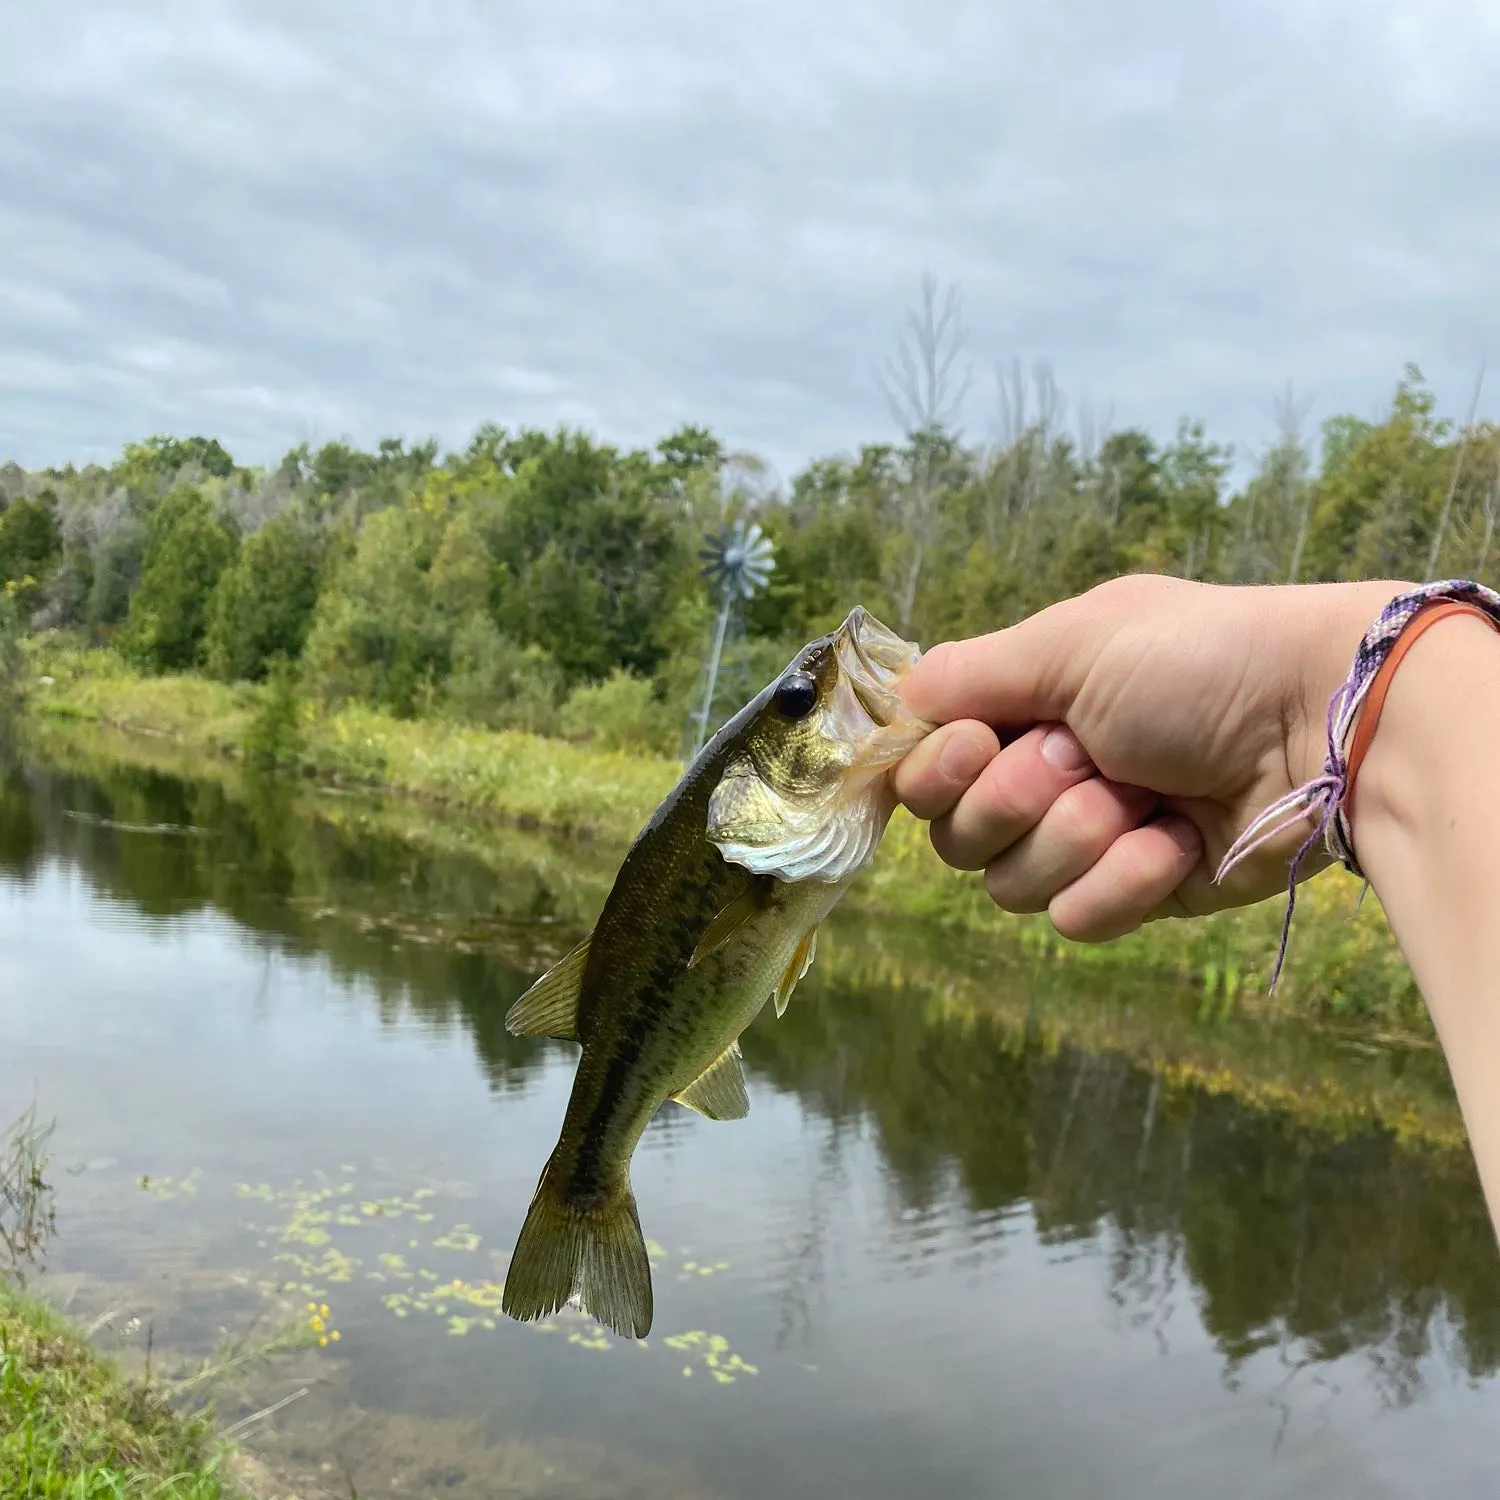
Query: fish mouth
x=874, y=660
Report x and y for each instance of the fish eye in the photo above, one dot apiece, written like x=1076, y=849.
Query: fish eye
x=795, y=696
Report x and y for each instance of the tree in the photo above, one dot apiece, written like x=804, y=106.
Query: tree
x=375, y=634
x=113, y=571
x=1192, y=473
x=263, y=605
x=1380, y=492
x=691, y=448
x=589, y=553
x=187, y=548
x=925, y=392
x=30, y=547
x=829, y=540
x=1435, y=551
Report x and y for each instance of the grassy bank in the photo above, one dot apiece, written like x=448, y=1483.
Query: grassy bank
x=72, y=1428
x=1344, y=963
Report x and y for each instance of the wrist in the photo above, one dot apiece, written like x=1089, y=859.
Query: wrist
x=1442, y=702
x=1323, y=626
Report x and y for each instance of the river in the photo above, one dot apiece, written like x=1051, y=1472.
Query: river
x=989, y=1229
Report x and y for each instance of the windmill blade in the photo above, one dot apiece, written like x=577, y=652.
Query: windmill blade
x=739, y=560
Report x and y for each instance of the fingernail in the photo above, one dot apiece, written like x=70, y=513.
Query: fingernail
x=1060, y=748
x=963, y=758
x=1185, y=835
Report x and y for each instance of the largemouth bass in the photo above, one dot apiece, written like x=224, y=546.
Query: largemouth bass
x=715, y=910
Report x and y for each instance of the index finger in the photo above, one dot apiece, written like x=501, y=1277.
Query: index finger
x=1025, y=674
x=944, y=766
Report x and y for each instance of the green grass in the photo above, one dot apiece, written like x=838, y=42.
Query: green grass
x=72, y=1428
x=1344, y=966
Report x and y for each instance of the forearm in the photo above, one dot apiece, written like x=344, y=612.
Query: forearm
x=1425, y=818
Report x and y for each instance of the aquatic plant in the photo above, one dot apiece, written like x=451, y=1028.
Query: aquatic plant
x=28, y=1216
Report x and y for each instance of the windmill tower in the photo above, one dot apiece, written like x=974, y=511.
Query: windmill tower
x=737, y=563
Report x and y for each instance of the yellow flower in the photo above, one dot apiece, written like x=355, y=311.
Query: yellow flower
x=334, y=1336
x=322, y=1343
x=317, y=1325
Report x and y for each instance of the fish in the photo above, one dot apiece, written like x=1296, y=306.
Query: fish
x=714, y=911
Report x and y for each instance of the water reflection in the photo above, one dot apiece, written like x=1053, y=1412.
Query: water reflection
x=1012, y=1113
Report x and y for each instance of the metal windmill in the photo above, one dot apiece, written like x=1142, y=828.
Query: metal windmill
x=737, y=564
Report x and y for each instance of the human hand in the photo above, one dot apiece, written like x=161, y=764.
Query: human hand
x=1141, y=726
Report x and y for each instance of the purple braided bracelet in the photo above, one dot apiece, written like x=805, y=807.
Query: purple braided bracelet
x=1322, y=798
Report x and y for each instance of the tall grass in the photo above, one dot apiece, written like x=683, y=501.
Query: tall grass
x=71, y=1428
x=27, y=1217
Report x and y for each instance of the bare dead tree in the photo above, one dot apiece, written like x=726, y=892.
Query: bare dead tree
x=1029, y=414
x=1490, y=508
x=1458, y=465
x=921, y=383
x=1094, y=427
x=1290, y=415
x=925, y=387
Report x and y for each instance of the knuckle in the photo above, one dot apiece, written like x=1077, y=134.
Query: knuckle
x=954, y=847
x=918, y=783
x=1092, y=926
x=1086, y=816
x=1012, y=889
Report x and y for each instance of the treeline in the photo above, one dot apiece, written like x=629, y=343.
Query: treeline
x=552, y=582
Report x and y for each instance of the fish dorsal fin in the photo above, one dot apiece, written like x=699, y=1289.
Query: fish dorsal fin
x=719, y=1090
x=801, y=962
x=550, y=1006
x=728, y=922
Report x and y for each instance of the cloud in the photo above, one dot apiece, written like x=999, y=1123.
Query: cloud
x=288, y=221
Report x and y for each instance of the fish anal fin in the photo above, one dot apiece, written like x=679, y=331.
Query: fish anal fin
x=719, y=1090
x=801, y=962
x=726, y=923
x=550, y=1006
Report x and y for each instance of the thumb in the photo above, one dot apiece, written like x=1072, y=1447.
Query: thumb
x=1026, y=674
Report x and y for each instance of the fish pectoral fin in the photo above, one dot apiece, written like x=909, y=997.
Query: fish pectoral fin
x=550, y=1006
x=719, y=1090
x=728, y=922
x=802, y=958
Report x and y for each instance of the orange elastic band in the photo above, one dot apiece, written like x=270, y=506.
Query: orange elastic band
x=1369, y=718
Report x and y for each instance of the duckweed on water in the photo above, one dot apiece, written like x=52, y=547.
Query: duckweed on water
x=309, y=1232
x=714, y=1354
x=167, y=1188
x=691, y=1268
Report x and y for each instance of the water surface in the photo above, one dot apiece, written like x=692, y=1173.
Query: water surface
x=983, y=1234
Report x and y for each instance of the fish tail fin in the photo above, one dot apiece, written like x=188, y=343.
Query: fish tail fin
x=595, y=1251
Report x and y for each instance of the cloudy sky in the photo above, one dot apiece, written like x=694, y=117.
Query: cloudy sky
x=275, y=222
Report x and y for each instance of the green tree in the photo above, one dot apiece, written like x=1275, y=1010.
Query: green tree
x=113, y=571
x=263, y=605
x=188, y=547
x=376, y=633
x=30, y=547
x=691, y=448
x=1380, y=491
x=589, y=553
x=830, y=547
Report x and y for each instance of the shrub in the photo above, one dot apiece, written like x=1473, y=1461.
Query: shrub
x=621, y=713
x=499, y=683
